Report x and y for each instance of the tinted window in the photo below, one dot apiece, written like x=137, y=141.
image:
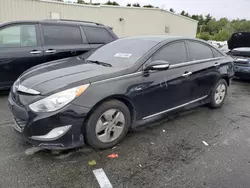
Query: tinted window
x=122, y=52
x=173, y=53
x=199, y=51
x=216, y=53
x=98, y=35
x=61, y=35
x=18, y=36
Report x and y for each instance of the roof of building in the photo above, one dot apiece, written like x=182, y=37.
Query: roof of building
x=123, y=7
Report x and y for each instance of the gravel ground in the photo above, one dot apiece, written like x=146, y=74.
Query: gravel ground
x=167, y=153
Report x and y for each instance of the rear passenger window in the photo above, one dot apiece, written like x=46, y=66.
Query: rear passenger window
x=173, y=53
x=61, y=35
x=98, y=35
x=217, y=53
x=198, y=51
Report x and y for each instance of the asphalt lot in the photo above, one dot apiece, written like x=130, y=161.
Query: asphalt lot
x=167, y=153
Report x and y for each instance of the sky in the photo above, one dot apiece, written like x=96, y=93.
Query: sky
x=231, y=9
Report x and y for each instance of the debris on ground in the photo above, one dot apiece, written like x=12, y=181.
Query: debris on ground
x=205, y=143
x=152, y=143
x=63, y=156
x=55, y=152
x=33, y=150
x=92, y=162
x=113, y=156
x=114, y=147
x=140, y=165
x=163, y=130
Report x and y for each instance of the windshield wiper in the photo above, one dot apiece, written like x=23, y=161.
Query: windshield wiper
x=100, y=63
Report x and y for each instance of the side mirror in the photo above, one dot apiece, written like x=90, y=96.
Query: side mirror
x=157, y=65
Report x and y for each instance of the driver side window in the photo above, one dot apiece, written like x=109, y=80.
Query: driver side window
x=174, y=53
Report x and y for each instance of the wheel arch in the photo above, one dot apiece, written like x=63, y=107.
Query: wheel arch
x=225, y=77
x=122, y=98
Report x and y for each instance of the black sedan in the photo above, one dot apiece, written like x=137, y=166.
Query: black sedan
x=95, y=98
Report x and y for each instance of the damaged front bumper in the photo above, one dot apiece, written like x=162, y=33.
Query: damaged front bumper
x=62, y=129
x=242, y=71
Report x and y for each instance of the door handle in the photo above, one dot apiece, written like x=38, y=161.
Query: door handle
x=50, y=51
x=35, y=52
x=216, y=64
x=186, y=74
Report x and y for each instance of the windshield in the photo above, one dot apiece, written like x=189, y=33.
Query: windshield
x=122, y=52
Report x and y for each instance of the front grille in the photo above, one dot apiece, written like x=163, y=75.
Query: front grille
x=20, y=123
x=15, y=98
x=241, y=60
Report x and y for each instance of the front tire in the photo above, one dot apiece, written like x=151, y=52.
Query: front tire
x=108, y=124
x=218, y=94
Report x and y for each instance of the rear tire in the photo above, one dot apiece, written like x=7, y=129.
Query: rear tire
x=218, y=94
x=108, y=124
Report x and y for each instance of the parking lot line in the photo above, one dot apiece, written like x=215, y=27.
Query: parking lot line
x=102, y=178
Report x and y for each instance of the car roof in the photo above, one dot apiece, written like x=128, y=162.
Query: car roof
x=58, y=21
x=162, y=38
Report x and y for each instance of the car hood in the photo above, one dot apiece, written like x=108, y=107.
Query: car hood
x=238, y=40
x=240, y=52
x=63, y=73
x=242, y=49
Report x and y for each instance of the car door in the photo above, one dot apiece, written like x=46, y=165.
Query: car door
x=20, y=49
x=97, y=36
x=204, y=67
x=169, y=89
x=62, y=41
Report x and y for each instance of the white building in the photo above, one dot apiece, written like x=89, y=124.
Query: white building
x=126, y=21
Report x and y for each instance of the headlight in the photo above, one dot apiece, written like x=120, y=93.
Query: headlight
x=58, y=100
x=241, y=59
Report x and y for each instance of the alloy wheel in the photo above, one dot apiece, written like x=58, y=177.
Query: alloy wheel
x=220, y=93
x=110, y=125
